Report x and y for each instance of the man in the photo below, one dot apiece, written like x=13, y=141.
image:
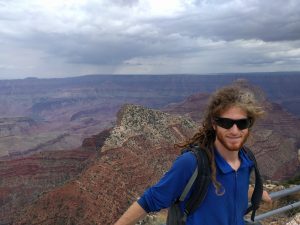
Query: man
x=225, y=128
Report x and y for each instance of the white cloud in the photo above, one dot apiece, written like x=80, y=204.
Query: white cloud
x=147, y=36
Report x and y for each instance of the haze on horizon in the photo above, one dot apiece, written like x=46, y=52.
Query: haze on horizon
x=56, y=38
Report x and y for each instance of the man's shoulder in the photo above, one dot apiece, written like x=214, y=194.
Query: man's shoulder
x=187, y=156
x=247, y=156
x=186, y=160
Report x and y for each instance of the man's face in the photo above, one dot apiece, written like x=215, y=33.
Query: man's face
x=233, y=138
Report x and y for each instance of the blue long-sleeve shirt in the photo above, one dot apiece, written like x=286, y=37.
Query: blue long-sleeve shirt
x=226, y=209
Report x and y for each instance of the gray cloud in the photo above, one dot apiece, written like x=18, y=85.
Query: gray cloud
x=264, y=20
x=121, y=34
x=109, y=49
x=125, y=2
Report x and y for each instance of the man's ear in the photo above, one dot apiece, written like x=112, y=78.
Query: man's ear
x=213, y=124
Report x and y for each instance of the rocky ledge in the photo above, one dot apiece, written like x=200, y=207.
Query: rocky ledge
x=138, y=151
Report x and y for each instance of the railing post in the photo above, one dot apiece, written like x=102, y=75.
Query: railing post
x=278, y=211
x=285, y=192
x=274, y=196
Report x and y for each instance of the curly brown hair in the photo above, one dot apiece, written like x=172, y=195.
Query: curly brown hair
x=220, y=101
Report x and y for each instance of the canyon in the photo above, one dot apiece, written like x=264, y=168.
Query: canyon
x=73, y=151
x=61, y=113
x=139, y=150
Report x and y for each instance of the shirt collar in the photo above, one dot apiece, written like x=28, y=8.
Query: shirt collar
x=225, y=167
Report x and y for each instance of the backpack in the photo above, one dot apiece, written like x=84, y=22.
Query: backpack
x=201, y=181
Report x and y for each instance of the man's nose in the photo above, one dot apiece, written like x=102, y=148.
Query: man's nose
x=234, y=129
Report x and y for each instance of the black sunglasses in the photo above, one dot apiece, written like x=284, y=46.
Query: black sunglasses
x=228, y=123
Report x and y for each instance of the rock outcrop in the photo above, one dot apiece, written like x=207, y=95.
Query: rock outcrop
x=95, y=142
x=24, y=179
x=138, y=151
x=159, y=127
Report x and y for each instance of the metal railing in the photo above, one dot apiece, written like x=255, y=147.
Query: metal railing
x=274, y=213
x=275, y=196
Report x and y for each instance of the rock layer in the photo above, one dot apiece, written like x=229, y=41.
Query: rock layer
x=136, y=154
x=138, y=151
x=23, y=180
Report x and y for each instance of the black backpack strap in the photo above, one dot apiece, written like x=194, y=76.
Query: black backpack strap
x=189, y=185
x=201, y=182
x=258, y=189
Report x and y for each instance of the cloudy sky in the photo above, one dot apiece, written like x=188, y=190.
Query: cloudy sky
x=57, y=38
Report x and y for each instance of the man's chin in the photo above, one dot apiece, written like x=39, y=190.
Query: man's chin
x=234, y=148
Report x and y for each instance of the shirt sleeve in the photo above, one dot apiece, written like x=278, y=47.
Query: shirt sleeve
x=170, y=186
